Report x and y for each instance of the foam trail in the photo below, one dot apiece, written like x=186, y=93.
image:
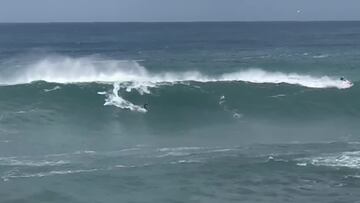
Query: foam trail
x=345, y=159
x=89, y=69
x=320, y=56
x=115, y=100
x=11, y=161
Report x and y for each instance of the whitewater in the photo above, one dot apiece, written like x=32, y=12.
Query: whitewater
x=130, y=75
x=88, y=69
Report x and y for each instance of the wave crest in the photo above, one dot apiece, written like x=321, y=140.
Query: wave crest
x=91, y=69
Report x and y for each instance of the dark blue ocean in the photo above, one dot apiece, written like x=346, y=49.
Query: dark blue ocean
x=180, y=112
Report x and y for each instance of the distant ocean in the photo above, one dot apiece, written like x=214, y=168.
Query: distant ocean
x=180, y=112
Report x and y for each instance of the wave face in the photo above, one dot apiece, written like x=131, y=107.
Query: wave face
x=60, y=89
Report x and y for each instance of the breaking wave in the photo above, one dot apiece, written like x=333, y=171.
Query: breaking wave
x=91, y=69
x=129, y=75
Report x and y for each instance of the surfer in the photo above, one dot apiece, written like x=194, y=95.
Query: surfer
x=146, y=106
x=347, y=82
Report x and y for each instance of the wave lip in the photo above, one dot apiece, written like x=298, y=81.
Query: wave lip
x=261, y=76
x=91, y=69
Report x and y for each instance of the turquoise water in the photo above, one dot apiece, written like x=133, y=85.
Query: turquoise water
x=180, y=112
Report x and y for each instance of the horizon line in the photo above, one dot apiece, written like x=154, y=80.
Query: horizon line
x=195, y=21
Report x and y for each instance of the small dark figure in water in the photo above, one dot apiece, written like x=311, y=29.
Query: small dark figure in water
x=342, y=78
x=146, y=106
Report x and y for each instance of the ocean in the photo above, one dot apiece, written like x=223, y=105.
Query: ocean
x=180, y=112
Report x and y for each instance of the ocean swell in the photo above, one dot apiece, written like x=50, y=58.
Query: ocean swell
x=129, y=75
x=91, y=69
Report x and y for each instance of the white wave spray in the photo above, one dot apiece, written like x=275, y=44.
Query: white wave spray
x=90, y=69
x=130, y=75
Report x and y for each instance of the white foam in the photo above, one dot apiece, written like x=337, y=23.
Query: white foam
x=77, y=70
x=141, y=87
x=344, y=159
x=353, y=176
x=175, y=153
x=222, y=150
x=85, y=152
x=113, y=99
x=237, y=115
x=178, y=151
x=45, y=174
x=261, y=76
x=222, y=100
x=90, y=69
x=190, y=161
x=175, y=149
x=278, y=95
x=12, y=161
x=301, y=164
x=320, y=56
x=52, y=89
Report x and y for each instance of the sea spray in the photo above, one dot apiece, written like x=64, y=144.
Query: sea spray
x=90, y=69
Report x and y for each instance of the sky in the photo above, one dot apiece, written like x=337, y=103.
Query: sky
x=177, y=10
